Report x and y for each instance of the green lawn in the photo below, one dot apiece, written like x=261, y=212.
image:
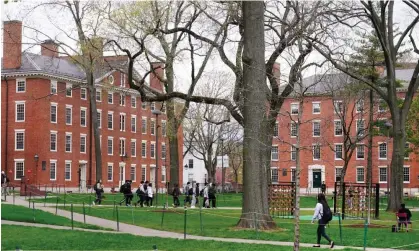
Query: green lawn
x=25, y=214
x=220, y=223
x=40, y=239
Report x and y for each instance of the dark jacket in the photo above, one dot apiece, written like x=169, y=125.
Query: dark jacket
x=176, y=192
x=3, y=178
x=406, y=211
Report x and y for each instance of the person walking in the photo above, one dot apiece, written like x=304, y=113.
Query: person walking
x=149, y=195
x=176, y=194
x=323, y=188
x=193, y=195
x=99, y=191
x=141, y=194
x=205, y=203
x=187, y=200
x=3, y=183
x=197, y=194
x=211, y=195
x=323, y=214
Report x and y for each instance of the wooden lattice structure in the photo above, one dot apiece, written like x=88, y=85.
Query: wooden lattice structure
x=282, y=199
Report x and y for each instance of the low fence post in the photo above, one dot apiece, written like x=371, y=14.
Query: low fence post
x=365, y=233
x=84, y=214
x=200, y=218
x=132, y=215
x=45, y=199
x=184, y=224
x=256, y=227
x=30, y=197
x=64, y=200
x=340, y=228
x=162, y=216
x=33, y=211
x=14, y=195
x=117, y=219
x=72, y=220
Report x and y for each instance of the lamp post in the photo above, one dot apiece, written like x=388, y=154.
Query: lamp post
x=36, y=158
x=187, y=172
x=157, y=113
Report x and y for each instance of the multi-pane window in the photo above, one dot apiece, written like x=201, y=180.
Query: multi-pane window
x=110, y=97
x=83, y=93
x=316, y=129
x=338, y=174
x=143, y=105
x=53, y=170
x=153, y=106
x=99, y=95
x=163, y=151
x=122, y=122
x=19, y=169
x=110, y=145
x=293, y=174
x=83, y=116
x=143, y=173
x=143, y=125
x=99, y=118
x=274, y=175
x=53, y=87
x=133, y=148
x=360, y=127
x=293, y=153
x=21, y=85
x=67, y=171
x=190, y=163
x=53, y=113
x=144, y=149
x=382, y=106
x=110, y=172
x=133, y=101
x=360, y=174
x=83, y=143
x=293, y=128
x=121, y=99
x=360, y=151
x=338, y=151
x=316, y=152
x=20, y=111
x=133, y=123
x=152, y=127
x=68, y=115
x=19, y=139
x=406, y=174
x=68, y=90
x=338, y=106
x=274, y=153
x=68, y=142
x=338, y=128
x=153, y=150
x=316, y=107
x=110, y=120
x=163, y=174
x=53, y=141
x=122, y=147
x=132, y=172
x=383, y=174
x=406, y=150
x=163, y=128
x=382, y=150
x=359, y=105
x=276, y=131
x=122, y=80
x=294, y=109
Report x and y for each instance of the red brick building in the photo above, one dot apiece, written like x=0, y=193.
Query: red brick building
x=46, y=125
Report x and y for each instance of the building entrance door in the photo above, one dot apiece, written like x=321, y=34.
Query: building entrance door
x=153, y=177
x=317, y=178
x=83, y=177
x=121, y=175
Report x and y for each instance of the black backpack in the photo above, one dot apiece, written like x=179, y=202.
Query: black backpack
x=201, y=193
x=327, y=214
x=122, y=188
x=190, y=192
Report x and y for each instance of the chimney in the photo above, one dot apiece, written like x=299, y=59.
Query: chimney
x=154, y=80
x=49, y=48
x=12, y=44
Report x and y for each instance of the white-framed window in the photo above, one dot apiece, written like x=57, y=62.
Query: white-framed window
x=110, y=171
x=293, y=153
x=133, y=123
x=82, y=143
x=122, y=122
x=144, y=125
x=338, y=174
x=316, y=128
x=67, y=171
x=274, y=175
x=360, y=151
x=382, y=177
x=122, y=147
x=163, y=128
x=338, y=128
x=382, y=150
x=316, y=152
x=121, y=99
x=19, y=168
x=360, y=174
x=133, y=172
x=406, y=150
x=360, y=127
x=110, y=120
x=276, y=131
x=359, y=105
x=406, y=174
x=143, y=173
x=68, y=114
x=110, y=97
x=382, y=106
x=338, y=106
x=19, y=139
x=152, y=126
x=316, y=107
x=294, y=108
x=144, y=105
x=83, y=93
x=68, y=90
x=68, y=142
x=98, y=95
x=274, y=153
x=52, y=169
x=144, y=148
x=53, y=141
x=293, y=127
x=190, y=164
x=53, y=112
x=20, y=111
x=153, y=106
x=83, y=116
x=110, y=145
x=163, y=174
x=293, y=174
x=54, y=87
x=122, y=80
x=99, y=118
x=133, y=148
x=338, y=151
x=163, y=151
x=20, y=85
x=153, y=150
x=133, y=101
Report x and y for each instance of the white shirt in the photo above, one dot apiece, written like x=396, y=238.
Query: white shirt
x=150, y=192
x=318, y=212
x=142, y=188
x=206, y=192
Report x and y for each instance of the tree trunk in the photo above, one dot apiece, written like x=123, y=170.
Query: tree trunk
x=174, y=160
x=255, y=210
x=397, y=161
x=369, y=157
x=236, y=179
x=297, y=183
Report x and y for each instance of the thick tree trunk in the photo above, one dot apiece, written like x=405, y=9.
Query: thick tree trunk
x=174, y=160
x=369, y=157
x=255, y=210
x=396, y=168
x=297, y=184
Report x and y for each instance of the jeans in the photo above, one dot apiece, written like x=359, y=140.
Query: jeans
x=98, y=198
x=213, y=200
x=322, y=232
x=176, y=201
x=141, y=200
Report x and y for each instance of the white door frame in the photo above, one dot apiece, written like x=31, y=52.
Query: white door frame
x=121, y=174
x=83, y=175
x=310, y=174
x=153, y=176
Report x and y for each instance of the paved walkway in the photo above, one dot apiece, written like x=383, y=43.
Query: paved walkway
x=147, y=232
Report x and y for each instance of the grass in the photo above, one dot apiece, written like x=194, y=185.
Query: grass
x=221, y=223
x=40, y=239
x=24, y=214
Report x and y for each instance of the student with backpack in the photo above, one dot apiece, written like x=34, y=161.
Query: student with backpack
x=188, y=192
x=176, y=194
x=98, y=187
x=322, y=213
x=141, y=194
